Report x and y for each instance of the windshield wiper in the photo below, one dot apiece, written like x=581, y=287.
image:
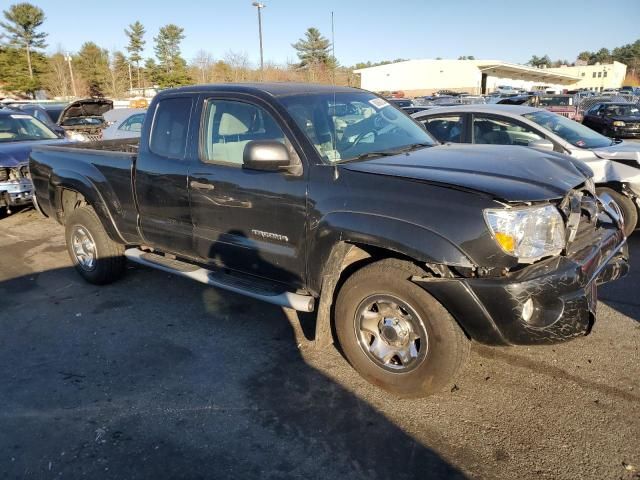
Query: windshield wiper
x=413, y=146
x=381, y=153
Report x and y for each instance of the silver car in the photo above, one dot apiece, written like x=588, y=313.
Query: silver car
x=615, y=164
x=123, y=123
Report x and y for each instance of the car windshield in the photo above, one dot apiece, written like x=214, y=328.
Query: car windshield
x=22, y=127
x=622, y=110
x=573, y=132
x=555, y=101
x=353, y=125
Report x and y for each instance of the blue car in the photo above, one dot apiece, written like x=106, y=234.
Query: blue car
x=19, y=132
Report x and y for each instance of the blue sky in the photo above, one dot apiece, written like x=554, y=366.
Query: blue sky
x=364, y=30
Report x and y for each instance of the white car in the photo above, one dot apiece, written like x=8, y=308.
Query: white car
x=615, y=164
x=123, y=123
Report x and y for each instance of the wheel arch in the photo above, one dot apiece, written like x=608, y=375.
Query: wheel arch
x=69, y=190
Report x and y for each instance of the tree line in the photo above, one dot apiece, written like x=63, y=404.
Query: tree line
x=95, y=71
x=628, y=54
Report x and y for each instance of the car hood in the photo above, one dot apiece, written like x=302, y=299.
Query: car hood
x=514, y=174
x=15, y=153
x=619, y=151
x=88, y=107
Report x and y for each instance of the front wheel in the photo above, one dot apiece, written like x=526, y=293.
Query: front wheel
x=627, y=207
x=95, y=256
x=395, y=334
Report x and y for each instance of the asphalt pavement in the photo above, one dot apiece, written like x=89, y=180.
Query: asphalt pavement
x=159, y=377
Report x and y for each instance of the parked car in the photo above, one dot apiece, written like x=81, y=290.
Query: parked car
x=616, y=165
x=123, y=123
x=416, y=108
x=564, y=105
x=505, y=89
x=85, y=117
x=630, y=90
x=19, y=132
x=616, y=120
x=407, y=248
x=400, y=102
x=42, y=114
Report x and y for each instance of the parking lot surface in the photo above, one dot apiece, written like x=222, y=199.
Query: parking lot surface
x=159, y=377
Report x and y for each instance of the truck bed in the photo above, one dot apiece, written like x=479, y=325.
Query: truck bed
x=102, y=170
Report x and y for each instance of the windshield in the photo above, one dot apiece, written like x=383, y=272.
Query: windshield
x=622, y=110
x=347, y=126
x=555, y=101
x=22, y=127
x=573, y=132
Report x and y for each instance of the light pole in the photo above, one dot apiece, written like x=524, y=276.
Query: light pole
x=260, y=6
x=73, y=83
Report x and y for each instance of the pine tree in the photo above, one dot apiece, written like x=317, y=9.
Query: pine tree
x=172, y=68
x=23, y=21
x=93, y=67
x=136, y=44
x=314, y=49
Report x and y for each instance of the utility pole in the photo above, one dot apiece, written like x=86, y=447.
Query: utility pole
x=73, y=83
x=260, y=6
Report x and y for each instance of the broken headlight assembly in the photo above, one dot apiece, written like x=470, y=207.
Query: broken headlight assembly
x=527, y=233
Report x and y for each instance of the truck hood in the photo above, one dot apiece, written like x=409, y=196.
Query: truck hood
x=15, y=153
x=619, y=151
x=515, y=174
x=88, y=107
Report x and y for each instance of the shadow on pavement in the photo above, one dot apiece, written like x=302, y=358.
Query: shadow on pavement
x=159, y=377
x=616, y=294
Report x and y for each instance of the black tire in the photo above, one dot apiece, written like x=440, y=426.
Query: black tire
x=109, y=261
x=628, y=208
x=444, y=351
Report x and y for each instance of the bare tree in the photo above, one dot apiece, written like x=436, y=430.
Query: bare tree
x=203, y=65
x=57, y=80
x=239, y=64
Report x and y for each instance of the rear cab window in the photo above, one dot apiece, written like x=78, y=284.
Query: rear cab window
x=170, y=127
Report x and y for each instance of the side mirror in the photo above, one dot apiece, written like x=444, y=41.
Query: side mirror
x=541, y=144
x=265, y=155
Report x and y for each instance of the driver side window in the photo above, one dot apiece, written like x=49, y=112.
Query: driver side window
x=502, y=131
x=231, y=125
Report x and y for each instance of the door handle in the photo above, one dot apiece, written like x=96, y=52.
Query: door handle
x=201, y=186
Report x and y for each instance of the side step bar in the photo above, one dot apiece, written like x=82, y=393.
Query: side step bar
x=301, y=303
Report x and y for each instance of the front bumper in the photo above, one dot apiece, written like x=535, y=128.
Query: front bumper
x=626, y=132
x=16, y=193
x=563, y=291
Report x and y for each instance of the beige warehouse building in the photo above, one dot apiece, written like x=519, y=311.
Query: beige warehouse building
x=596, y=77
x=424, y=77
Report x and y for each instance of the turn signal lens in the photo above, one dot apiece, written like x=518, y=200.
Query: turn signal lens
x=507, y=242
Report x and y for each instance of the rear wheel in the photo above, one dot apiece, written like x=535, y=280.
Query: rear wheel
x=95, y=256
x=395, y=334
x=628, y=208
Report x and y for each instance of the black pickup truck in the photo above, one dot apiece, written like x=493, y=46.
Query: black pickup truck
x=330, y=199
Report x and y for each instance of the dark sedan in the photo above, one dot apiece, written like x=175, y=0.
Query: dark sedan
x=19, y=132
x=614, y=119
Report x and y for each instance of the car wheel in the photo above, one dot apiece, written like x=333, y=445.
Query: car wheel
x=627, y=207
x=395, y=334
x=95, y=256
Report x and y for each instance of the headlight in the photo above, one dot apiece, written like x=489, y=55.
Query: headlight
x=528, y=233
x=75, y=136
x=618, y=123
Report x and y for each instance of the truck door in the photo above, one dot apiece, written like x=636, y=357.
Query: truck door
x=245, y=220
x=161, y=176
